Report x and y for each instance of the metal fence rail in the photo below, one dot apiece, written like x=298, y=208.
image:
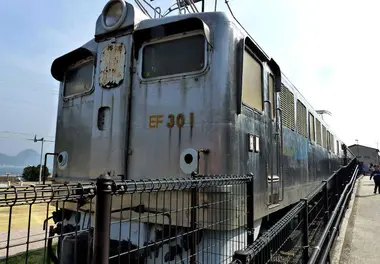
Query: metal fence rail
x=305, y=234
x=127, y=221
x=28, y=209
x=202, y=219
x=197, y=216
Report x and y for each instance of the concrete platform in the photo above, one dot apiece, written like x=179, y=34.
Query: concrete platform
x=362, y=230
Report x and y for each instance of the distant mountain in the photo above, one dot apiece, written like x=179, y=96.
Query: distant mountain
x=24, y=158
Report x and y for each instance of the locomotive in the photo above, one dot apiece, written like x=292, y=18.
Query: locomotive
x=145, y=96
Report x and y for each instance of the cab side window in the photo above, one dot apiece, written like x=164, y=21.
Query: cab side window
x=324, y=137
x=318, y=132
x=252, y=94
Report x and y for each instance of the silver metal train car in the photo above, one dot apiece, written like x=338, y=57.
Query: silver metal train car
x=145, y=97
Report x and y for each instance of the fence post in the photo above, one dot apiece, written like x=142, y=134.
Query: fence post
x=250, y=211
x=102, y=219
x=337, y=186
x=326, y=203
x=243, y=256
x=305, y=231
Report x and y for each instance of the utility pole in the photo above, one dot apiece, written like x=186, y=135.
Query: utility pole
x=42, y=150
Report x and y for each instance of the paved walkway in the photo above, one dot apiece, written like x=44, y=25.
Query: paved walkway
x=362, y=243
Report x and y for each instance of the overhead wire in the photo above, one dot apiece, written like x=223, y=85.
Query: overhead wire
x=232, y=14
x=154, y=9
x=142, y=8
x=11, y=102
x=169, y=10
x=193, y=6
x=23, y=136
x=20, y=133
x=28, y=139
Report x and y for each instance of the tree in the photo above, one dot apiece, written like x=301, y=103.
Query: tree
x=32, y=173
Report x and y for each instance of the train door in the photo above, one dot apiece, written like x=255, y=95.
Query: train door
x=275, y=141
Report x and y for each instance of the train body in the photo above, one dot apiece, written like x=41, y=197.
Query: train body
x=167, y=97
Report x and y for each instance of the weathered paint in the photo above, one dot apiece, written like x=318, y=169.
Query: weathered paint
x=112, y=65
x=150, y=144
x=302, y=148
x=139, y=128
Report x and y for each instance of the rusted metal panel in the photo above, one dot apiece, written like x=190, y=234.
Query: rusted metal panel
x=112, y=65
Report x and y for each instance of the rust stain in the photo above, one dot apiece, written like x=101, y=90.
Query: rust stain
x=112, y=65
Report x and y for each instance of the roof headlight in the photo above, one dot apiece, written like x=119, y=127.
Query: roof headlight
x=113, y=15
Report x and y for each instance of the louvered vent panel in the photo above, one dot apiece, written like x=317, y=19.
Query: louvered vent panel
x=287, y=108
x=301, y=119
x=291, y=111
x=283, y=103
x=318, y=131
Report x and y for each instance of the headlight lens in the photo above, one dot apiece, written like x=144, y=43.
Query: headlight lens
x=114, y=14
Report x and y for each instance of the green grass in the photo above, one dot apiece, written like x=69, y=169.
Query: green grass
x=34, y=257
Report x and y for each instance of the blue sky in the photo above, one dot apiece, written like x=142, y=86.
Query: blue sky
x=328, y=49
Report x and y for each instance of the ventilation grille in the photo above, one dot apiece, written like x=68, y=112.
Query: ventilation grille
x=318, y=132
x=301, y=119
x=287, y=108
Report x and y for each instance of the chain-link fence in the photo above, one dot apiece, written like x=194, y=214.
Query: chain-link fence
x=169, y=220
x=203, y=219
x=305, y=234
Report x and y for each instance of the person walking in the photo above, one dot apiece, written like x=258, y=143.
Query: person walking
x=370, y=168
x=376, y=178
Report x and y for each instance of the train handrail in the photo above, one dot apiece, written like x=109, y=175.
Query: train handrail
x=280, y=156
x=270, y=155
